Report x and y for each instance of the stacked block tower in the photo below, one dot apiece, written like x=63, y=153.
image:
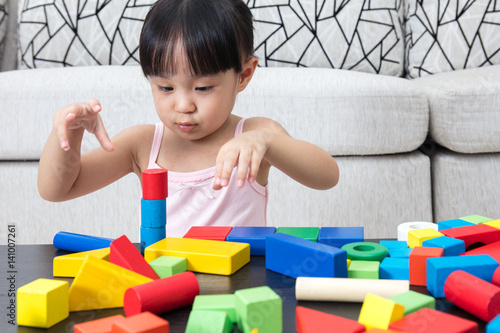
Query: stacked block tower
x=153, y=206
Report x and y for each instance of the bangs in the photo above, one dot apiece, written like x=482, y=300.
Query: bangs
x=205, y=29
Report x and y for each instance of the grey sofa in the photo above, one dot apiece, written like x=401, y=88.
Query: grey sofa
x=423, y=148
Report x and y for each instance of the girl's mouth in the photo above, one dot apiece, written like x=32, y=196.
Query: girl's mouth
x=185, y=127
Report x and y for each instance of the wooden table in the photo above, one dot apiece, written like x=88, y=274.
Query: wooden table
x=35, y=261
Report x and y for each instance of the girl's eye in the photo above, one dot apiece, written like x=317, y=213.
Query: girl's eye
x=166, y=89
x=203, y=89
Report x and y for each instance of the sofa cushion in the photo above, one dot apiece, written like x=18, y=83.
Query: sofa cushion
x=344, y=112
x=3, y=23
x=446, y=35
x=464, y=109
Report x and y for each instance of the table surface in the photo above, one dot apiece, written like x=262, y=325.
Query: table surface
x=35, y=261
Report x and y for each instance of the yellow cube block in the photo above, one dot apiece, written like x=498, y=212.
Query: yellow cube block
x=101, y=285
x=494, y=223
x=417, y=236
x=379, y=312
x=69, y=265
x=42, y=303
x=204, y=256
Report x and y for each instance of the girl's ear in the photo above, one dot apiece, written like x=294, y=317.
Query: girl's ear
x=247, y=73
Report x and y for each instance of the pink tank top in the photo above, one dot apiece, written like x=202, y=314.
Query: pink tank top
x=192, y=200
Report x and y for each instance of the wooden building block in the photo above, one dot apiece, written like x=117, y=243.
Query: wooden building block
x=144, y=322
x=162, y=295
x=103, y=325
x=438, y=270
x=260, y=308
x=204, y=256
x=218, y=233
x=340, y=236
x=294, y=256
x=494, y=325
x=395, y=268
x=414, y=301
x=399, y=252
x=474, y=235
x=42, y=303
x=101, y=285
x=69, y=265
x=433, y=321
x=308, y=233
x=365, y=251
x=313, y=321
x=416, y=237
x=209, y=321
x=451, y=246
x=455, y=223
x=123, y=253
x=255, y=236
x=376, y=330
x=476, y=219
x=360, y=269
x=472, y=294
x=418, y=263
x=167, y=266
x=493, y=223
x=69, y=241
x=224, y=303
x=492, y=249
x=346, y=290
x=394, y=244
x=379, y=312
x=154, y=184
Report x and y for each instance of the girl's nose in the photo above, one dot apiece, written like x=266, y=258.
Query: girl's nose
x=184, y=104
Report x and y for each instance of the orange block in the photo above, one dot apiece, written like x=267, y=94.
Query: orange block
x=145, y=322
x=418, y=263
x=102, y=325
x=313, y=321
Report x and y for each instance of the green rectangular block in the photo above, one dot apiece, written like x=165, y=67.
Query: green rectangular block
x=167, y=266
x=260, y=308
x=414, y=301
x=209, y=322
x=224, y=303
x=361, y=269
x=309, y=233
x=476, y=219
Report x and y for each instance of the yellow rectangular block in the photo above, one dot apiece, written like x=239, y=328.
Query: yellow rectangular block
x=204, y=256
x=417, y=236
x=101, y=285
x=42, y=303
x=494, y=223
x=69, y=265
x=379, y=312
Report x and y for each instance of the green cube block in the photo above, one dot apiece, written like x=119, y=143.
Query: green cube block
x=167, y=266
x=414, y=301
x=224, y=303
x=360, y=269
x=309, y=233
x=259, y=308
x=209, y=322
x=476, y=219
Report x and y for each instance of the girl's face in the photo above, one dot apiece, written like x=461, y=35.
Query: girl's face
x=196, y=107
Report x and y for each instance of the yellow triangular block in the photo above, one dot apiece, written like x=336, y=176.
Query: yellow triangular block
x=379, y=312
x=69, y=265
x=101, y=285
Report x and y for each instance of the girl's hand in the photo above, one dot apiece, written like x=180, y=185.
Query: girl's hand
x=246, y=151
x=81, y=116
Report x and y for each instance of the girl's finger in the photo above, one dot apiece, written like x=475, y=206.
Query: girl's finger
x=102, y=136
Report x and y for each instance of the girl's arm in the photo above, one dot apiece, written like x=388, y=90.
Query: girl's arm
x=266, y=142
x=63, y=172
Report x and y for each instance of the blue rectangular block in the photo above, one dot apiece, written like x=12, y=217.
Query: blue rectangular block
x=394, y=244
x=448, y=224
x=451, y=246
x=494, y=325
x=294, y=257
x=438, y=269
x=255, y=236
x=399, y=252
x=339, y=236
x=395, y=268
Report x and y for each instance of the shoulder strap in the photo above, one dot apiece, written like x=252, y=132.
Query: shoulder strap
x=155, y=146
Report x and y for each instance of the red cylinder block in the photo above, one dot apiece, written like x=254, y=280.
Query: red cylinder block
x=163, y=295
x=154, y=184
x=472, y=294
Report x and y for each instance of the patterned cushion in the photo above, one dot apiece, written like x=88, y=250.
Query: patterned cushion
x=446, y=35
x=3, y=22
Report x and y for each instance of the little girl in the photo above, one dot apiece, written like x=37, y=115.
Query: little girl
x=197, y=56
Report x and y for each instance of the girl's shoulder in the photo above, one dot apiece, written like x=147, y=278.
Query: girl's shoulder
x=256, y=123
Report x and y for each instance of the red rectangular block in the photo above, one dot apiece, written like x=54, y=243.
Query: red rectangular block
x=145, y=322
x=103, y=325
x=418, y=263
x=493, y=249
x=313, y=321
x=429, y=320
x=124, y=254
x=479, y=234
x=218, y=233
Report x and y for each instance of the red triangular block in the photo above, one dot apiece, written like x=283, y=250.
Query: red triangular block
x=313, y=321
x=123, y=253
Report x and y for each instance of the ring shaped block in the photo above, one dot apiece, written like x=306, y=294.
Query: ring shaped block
x=162, y=295
x=69, y=241
x=154, y=184
x=366, y=251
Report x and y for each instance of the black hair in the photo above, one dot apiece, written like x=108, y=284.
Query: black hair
x=217, y=36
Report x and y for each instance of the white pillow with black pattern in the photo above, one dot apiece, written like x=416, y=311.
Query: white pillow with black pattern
x=80, y=33
x=447, y=35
